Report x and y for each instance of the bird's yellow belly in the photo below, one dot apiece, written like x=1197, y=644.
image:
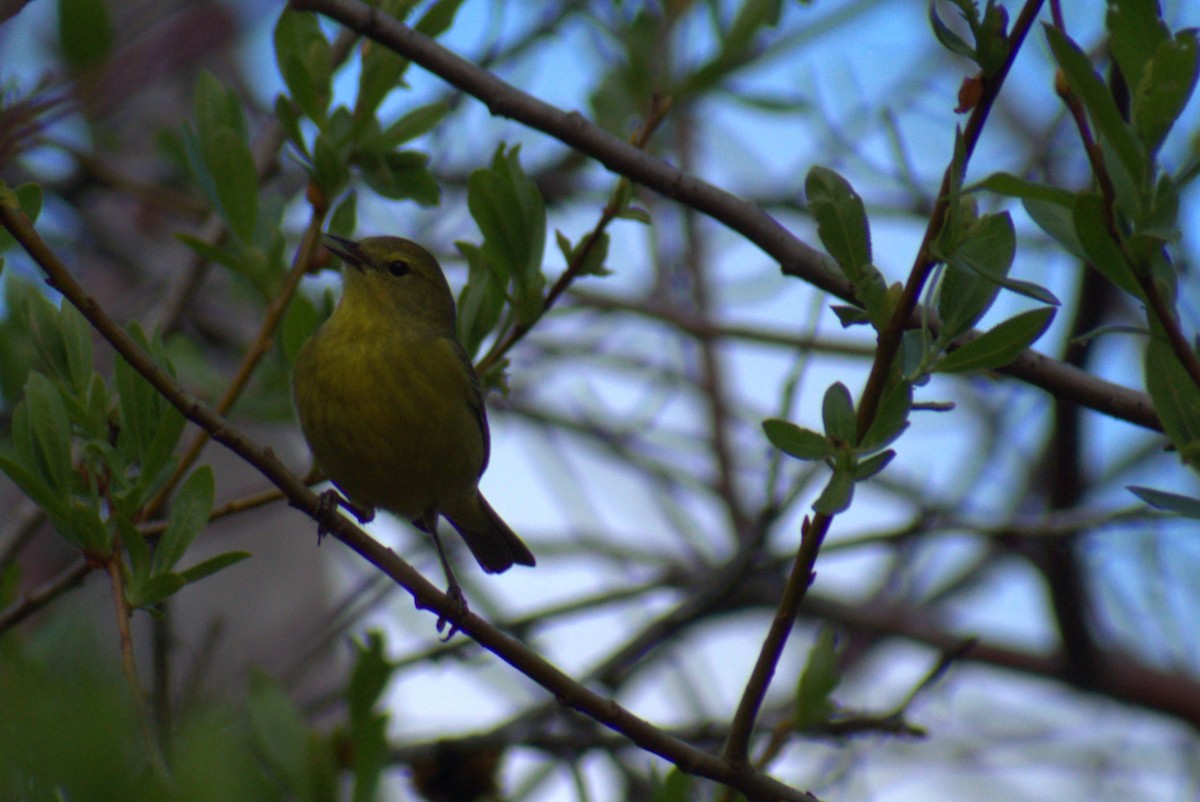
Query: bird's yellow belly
x=394, y=428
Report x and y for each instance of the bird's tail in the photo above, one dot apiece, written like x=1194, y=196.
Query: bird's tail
x=496, y=547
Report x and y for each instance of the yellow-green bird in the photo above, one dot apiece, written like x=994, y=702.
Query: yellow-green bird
x=390, y=404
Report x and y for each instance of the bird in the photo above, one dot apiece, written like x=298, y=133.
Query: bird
x=392, y=408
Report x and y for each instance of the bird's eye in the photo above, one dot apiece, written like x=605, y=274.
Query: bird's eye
x=398, y=268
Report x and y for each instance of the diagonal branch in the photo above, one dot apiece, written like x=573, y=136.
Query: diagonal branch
x=567, y=691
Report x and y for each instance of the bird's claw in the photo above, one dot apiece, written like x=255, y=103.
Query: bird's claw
x=457, y=612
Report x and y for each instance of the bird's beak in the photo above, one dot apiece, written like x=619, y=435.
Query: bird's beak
x=348, y=250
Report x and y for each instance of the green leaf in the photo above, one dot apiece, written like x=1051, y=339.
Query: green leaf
x=837, y=495
x=891, y=417
x=190, y=510
x=1058, y=222
x=796, y=441
x=1012, y=186
x=1176, y=399
x=279, y=732
x=288, y=115
x=232, y=168
x=987, y=249
x=220, y=157
x=27, y=198
x=81, y=523
x=211, y=252
x=820, y=677
x=137, y=548
x=40, y=493
x=399, y=175
x=298, y=324
x=1170, y=502
x=1165, y=88
x=593, y=258
x=305, y=61
x=837, y=413
x=150, y=425
x=438, y=18
x=508, y=208
x=85, y=33
x=1102, y=252
x=419, y=121
x=481, y=301
x=344, y=219
x=381, y=73
x=153, y=590
x=998, y=346
x=675, y=787
x=370, y=677
x=213, y=564
x=50, y=429
x=841, y=221
x=949, y=39
x=872, y=465
x=1101, y=107
x=1135, y=30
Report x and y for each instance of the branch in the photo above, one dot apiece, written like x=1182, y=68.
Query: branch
x=427, y=597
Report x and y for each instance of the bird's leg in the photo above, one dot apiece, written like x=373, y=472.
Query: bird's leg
x=458, y=599
x=327, y=504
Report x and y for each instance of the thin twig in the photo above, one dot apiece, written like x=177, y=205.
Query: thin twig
x=813, y=533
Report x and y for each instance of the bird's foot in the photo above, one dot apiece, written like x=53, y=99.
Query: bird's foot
x=456, y=612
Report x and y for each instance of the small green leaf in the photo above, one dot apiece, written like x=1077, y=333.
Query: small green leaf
x=1135, y=30
x=1058, y=222
x=419, y=121
x=279, y=732
x=370, y=677
x=1098, y=100
x=189, y=515
x=481, y=301
x=1102, y=252
x=949, y=39
x=1166, y=86
x=213, y=564
x=873, y=465
x=1176, y=399
x=796, y=441
x=288, y=116
x=508, y=208
x=231, y=166
x=891, y=417
x=1186, y=506
x=1012, y=186
x=26, y=198
x=50, y=428
x=837, y=495
x=305, y=61
x=1000, y=345
x=298, y=324
x=153, y=590
x=837, y=413
x=31, y=484
x=438, y=19
x=382, y=71
x=137, y=547
x=593, y=257
x=841, y=221
x=820, y=677
x=399, y=175
x=675, y=787
x=85, y=33
x=344, y=219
